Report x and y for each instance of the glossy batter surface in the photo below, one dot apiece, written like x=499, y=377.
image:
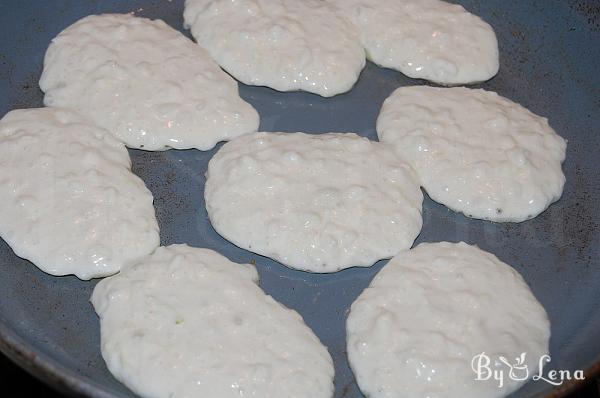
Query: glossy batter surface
x=475, y=151
x=187, y=322
x=283, y=44
x=318, y=203
x=415, y=330
x=145, y=82
x=71, y=204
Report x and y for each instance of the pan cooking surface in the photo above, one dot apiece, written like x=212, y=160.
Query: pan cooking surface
x=549, y=50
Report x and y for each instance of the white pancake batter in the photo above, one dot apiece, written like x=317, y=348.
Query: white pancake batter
x=427, y=39
x=283, y=44
x=415, y=330
x=145, y=82
x=318, y=203
x=476, y=152
x=71, y=204
x=187, y=322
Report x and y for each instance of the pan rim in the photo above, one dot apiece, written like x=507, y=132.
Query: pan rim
x=56, y=375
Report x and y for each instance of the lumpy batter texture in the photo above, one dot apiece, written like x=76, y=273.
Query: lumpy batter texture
x=71, y=204
x=187, y=322
x=416, y=329
x=283, y=44
x=475, y=151
x=426, y=39
x=317, y=203
x=145, y=82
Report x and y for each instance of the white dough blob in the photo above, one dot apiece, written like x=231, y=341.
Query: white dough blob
x=415, y=330
x=317, y=203
x=71, y=204
x=145, y=82
x=283, y=44
x=187, y=322
x=426, y=39
x=475, y=151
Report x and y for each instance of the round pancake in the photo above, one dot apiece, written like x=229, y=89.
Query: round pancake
x=317, y=203
x=283, y=44
x=425, y=39
x=475, y=151
x=421, y=327
x=187, y=322
x=71, y=203
x=145, y=82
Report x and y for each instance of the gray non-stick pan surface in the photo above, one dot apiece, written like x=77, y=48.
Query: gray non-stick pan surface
x=549, y=54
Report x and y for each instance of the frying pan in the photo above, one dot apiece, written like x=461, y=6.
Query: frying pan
x=549, y=59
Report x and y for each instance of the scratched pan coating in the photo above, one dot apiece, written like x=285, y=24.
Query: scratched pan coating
x=548, y=49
